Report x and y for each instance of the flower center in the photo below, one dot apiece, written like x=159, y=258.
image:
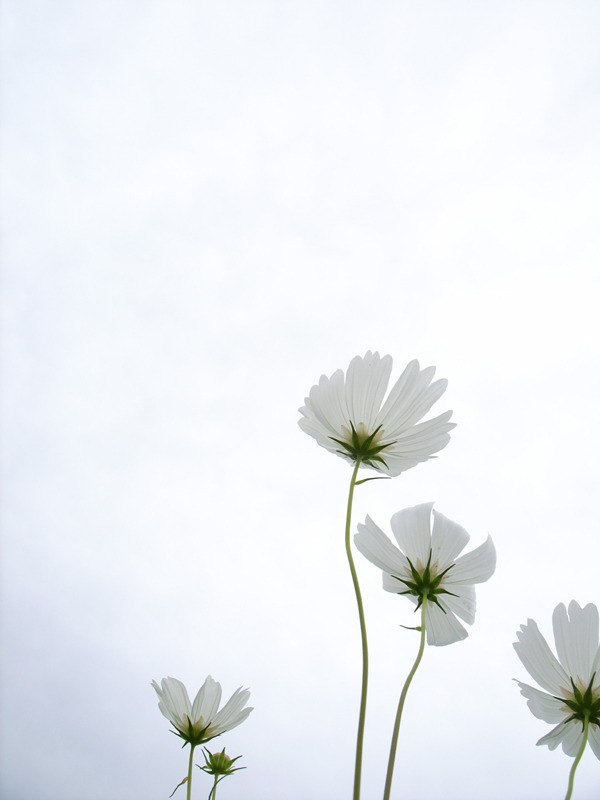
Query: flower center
x=359, y=444
x=425, y=582
x=584, y=704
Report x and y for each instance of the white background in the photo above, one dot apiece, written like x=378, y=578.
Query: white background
x=206, y=206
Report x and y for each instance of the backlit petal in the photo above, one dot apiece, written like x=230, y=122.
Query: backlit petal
x=412, y=529
x=539, y=660
x=474, y=567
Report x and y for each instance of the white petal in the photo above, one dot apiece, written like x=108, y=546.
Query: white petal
x=474, y=567
x=207, y=701
x=174, y=701
x=463, y=605
x=412, y=529
x=372, y=542
x=326, y=404
x=422, y=440
x=366, y=383
x=393, y=583
x=540, y=661
x=410, y=398
x=594, y=739
x=442, y=628
x=556, y=735
x=231, y=715
x=573, y=738
x=448, y=539
x=543, y=705
x=576, y=638
x=405, y=417
x=400, y=394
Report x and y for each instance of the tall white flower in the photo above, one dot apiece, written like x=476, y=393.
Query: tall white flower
x=346, y=415
x=201, y=721
x=572, y=680
x=427, y=564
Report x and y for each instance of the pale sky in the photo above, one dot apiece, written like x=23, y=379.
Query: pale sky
x=206, y=206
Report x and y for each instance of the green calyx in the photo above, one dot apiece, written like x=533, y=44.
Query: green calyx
x=363, y=448
x=584, y=704
x=219, y=763
x=193, y=734
x=424, y=584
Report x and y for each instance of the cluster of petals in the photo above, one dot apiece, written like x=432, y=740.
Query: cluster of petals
x=341, y=411
x=435, y=551
x=201, y=721
x=576, y=637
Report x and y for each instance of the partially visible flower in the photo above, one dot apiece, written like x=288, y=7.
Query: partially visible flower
x=201, y=721
x=573, y=681
x=346, y=415
x=426, y=566
x=219, y=763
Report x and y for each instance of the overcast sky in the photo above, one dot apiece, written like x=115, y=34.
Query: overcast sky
x=206, y=206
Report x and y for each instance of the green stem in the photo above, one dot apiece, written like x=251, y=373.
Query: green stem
x=363, y=635
x=213, y=791
x=586, y=721
x=411, y=674
x=190, y=768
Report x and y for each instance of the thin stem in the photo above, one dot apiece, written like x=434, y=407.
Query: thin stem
x=190, y=768
x=586, y=721
x=213, y=791
x=363, y=634
x=411, y=674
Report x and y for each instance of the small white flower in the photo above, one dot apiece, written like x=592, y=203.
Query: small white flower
x=201, y=721
x=572, y=680
x=346, y=416
x=426, y=563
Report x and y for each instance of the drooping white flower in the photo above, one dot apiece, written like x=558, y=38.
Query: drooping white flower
x=346, y=415
x=572, y=680
x=201, y=721
x=427, y=563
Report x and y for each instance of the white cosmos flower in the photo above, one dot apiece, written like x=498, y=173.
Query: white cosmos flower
x=572, y=680
x=346, y=415
x=201, y=721
x=427, y=561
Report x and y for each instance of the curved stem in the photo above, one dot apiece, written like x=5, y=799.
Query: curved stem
x=363, y=635
x=411, y=674
x=586, y=722
x=190, y=768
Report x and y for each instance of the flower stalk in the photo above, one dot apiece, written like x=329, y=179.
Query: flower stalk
x=586, y=726
x=190, y=767
x=411, y=674
x=363, y=636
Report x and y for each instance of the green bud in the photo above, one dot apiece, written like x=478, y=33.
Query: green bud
x=219, y=763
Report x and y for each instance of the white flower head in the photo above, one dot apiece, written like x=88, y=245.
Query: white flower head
x=201, y=721
x=572, y=680
x=346, y=415
x=426, y=564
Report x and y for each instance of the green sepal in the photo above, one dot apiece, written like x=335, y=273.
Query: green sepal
x=423, y=585
x=583, y=705
x=364, y=450
x=189, y=737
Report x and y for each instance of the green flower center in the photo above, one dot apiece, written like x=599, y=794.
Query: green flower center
x=361, y=445
x=584, y=704
x=425, y=583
